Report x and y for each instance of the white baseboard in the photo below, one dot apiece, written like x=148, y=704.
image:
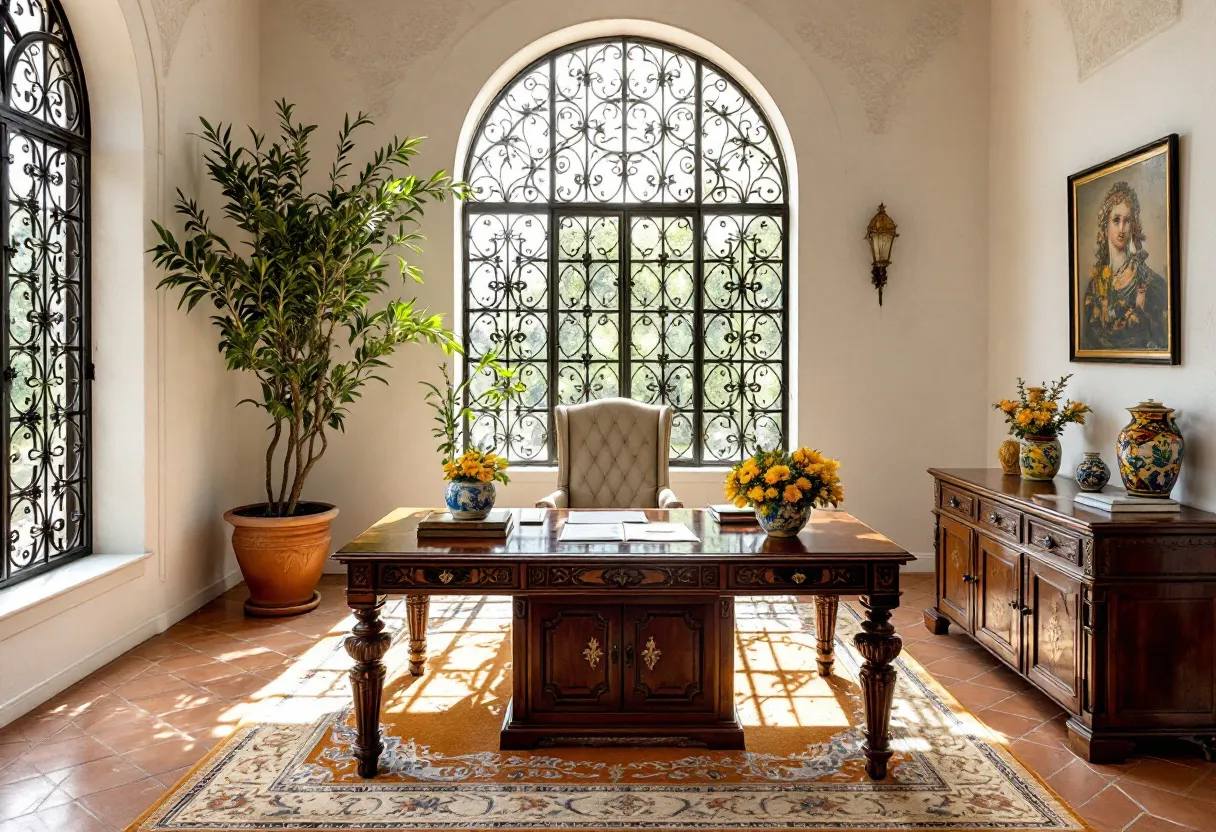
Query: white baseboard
x=29, y=699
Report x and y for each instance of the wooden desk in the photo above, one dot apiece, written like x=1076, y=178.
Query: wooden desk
x=632, y=640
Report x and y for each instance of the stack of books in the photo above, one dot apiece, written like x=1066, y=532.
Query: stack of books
x=1118, y=501
x=499, y=524
x=726, y=514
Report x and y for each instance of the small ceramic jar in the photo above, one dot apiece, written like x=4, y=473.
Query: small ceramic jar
x=1092, y=473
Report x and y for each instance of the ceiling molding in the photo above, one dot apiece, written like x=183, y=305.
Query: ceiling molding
x=1105, y=30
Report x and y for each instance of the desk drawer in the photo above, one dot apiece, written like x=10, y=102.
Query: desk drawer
x=807, y=578
x=623, y=576
x=956, y=501
x=1000, y=519
x=393, y=576
x=1052, y=540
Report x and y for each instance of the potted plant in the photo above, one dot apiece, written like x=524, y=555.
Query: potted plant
x=1036, y=417
x=293, y=305
x=783, y=487
x=471, y=474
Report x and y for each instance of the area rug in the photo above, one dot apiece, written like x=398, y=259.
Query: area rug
x=290, y=766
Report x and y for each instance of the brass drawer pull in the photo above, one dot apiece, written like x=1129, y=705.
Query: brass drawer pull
x=628, y=655
x=1027, y=611
x=446, y=577
x=1045, y=542
x=970, y=579
x=995, y=518
x=953, y=502
x=798, y=578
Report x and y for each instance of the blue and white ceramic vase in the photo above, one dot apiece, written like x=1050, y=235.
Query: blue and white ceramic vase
x=470, y=500
x=1092, y=474
x=783, y=520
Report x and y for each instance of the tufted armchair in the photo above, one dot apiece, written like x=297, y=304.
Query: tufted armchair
x=612, y=453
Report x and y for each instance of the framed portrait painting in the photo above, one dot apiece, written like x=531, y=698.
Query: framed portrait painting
x=1123, y=252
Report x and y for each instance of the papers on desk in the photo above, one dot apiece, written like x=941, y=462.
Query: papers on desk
x=661, y=533
x=626, y=532
x=592, y=533
x=599, y=518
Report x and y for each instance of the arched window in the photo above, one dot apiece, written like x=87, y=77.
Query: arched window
x=628, y=237
x=44, y=171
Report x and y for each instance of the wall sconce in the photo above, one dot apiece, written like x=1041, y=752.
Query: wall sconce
x=881, y=234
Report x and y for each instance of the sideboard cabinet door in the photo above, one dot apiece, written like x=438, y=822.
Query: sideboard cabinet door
x=1052, y=602
x=573, y=650
x=669, y=662
x=955, y=571
x=998, y=610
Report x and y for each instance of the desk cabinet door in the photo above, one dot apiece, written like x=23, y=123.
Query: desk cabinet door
x=955, y=573
x=669, y=660
x=998, y=610
x=575, y=656
x=1053, y=633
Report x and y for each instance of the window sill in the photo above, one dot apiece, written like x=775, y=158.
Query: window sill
x=31, y=602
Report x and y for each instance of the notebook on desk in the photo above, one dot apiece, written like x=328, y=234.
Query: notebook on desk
x=499, y=523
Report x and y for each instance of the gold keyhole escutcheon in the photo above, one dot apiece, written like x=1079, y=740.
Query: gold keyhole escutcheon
x=445, y=577
x=798, y=577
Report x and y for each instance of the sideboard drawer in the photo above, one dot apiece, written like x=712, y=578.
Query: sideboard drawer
x=807, y=578
x=623, y=576
x=956, y=501
x=393, y=576
x=1052, y=540
x=1004, y=521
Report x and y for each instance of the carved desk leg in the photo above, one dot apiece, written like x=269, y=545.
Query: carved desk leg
x=879, y=645
x=825, y=632
x=417, y=609
x=367, y=645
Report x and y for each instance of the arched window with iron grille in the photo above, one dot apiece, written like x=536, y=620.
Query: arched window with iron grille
x=44, y=177
x=628, y=236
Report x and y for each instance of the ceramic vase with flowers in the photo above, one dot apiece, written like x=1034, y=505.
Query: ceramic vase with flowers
x=1150, y=451
x=783, y=488
x=1037, y=417
x=470, y=491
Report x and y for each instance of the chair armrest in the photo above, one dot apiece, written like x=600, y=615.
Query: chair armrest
x=668, y=499
x=558, y=499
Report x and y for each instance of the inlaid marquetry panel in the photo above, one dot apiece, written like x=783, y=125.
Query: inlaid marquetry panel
x=392, y=576
x=623, y=576
x=799, y=577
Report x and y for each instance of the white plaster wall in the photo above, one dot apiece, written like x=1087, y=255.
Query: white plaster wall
x=1048, y=124
x=892, y=107
x=165, y=433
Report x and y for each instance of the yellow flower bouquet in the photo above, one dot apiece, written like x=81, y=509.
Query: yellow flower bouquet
x=476, y=465
x=783, y=487
x=1038, y=411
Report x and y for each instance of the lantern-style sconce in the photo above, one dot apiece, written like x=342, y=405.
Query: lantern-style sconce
x=881, y=234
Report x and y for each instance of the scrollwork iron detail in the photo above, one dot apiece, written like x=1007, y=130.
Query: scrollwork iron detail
x=685, y=307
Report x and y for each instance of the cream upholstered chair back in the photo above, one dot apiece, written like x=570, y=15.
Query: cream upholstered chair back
x=612, y=453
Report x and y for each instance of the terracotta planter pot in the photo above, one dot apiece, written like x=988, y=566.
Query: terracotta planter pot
x=281, y=557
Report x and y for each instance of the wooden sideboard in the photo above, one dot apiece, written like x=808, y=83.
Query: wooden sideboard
x=1112, y=616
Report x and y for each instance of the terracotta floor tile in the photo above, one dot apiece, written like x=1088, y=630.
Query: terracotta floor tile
x=24, y=796
x=931, y=651
x=1076, y=783
x=1197, y=814
x=212, y=671
x=172, y=778
x=1164, y=775
x=119, y=806
x=60, y=755
x=156, y=648
x=70, y=817
x=257, y=658
x=964, y=666
x=1205, y=788
x=1009, y=725
x=977, y=697
x=1051, y=731
x=177, y=701
x=1110, y=810
x=167, y=756
x=1045, y=761
x=149, y=731
x=1002, y=678
x=208, y=718
x=10, y=751
x=95, y=776
x=116, y=714
x=237, y=687
x=123, y=669
x=17, y=770
x=1148, y=823
x=1030, y=703
x=148, y=686
x=183, y=659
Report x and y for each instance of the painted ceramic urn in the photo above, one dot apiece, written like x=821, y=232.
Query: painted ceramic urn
x=1092, y=474
x=1150, y=451
x=470, y=500
x=1040, y=457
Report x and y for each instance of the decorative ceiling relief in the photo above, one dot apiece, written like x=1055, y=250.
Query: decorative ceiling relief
x=1105, y=30
x=378, y=40
x=880, y=44
x=170, y=19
